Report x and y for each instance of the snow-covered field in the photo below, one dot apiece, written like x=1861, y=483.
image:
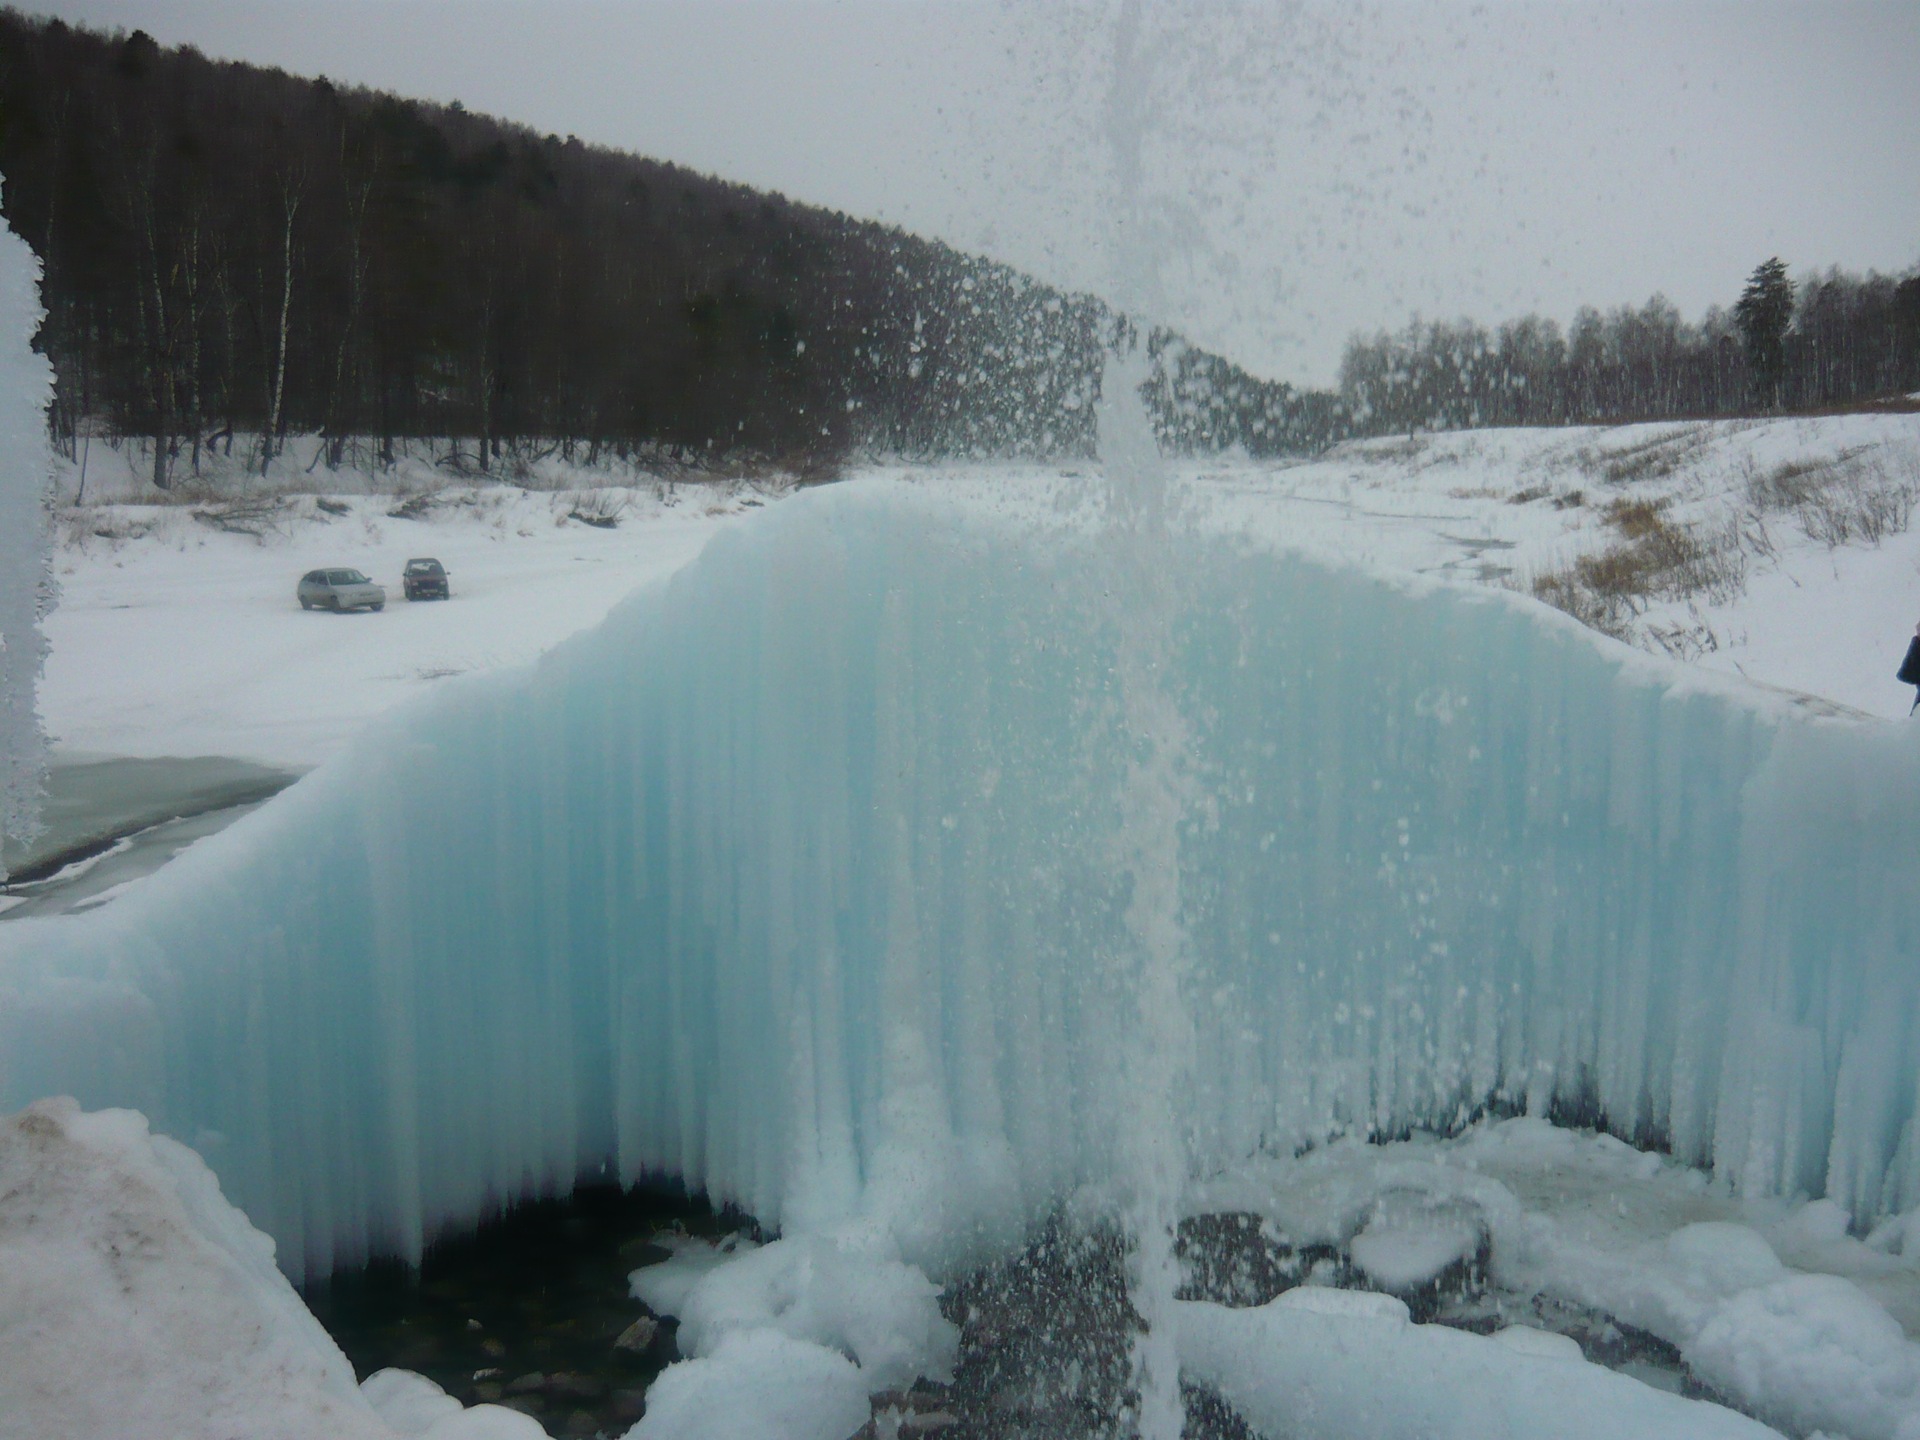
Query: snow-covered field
x=175, y=638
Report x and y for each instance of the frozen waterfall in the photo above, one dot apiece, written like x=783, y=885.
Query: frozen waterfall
x=788, y=881
x=26, y=582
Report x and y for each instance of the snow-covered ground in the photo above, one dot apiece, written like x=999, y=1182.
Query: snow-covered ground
x=175, y=638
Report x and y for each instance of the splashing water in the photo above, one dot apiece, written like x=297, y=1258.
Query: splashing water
x=1158, y=1033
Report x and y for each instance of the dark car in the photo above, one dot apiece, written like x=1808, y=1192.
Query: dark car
x=424, y=579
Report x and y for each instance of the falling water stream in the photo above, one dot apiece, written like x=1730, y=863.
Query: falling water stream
x=1156, y=1026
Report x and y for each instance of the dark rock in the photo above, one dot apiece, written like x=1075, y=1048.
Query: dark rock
x=575, y=1387
x=638, y=1336
x=1234, y=1258
x=627, y=1404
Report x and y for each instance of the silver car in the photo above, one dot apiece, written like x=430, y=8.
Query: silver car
x=339, y=590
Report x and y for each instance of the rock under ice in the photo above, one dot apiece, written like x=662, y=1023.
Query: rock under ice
x=797, y=880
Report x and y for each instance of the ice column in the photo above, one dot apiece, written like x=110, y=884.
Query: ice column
x=26, y=385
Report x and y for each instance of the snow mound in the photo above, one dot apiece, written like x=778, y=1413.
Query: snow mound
x=1318, y=1371
x=1412, y=1239
x=1812, y=1350
x=418, y=1409
x=848, y=1293
x=1526, y=1340
x=757, y=1384
x=137, y=1304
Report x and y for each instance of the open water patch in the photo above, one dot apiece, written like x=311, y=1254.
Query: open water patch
x=530, y=1310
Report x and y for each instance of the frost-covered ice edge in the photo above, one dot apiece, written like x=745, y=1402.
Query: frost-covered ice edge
x=26, y=385
x=785, y=881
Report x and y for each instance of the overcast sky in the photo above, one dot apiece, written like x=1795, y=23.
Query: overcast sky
x=1312, y=169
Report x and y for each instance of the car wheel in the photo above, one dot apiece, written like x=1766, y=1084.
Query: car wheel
x=305, y=604
x=333, y=604
x=379, y=605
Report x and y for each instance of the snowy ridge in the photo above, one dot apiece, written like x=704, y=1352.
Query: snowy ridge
x=788, y=881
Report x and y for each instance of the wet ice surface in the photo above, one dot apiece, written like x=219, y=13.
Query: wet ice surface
x=112, y=819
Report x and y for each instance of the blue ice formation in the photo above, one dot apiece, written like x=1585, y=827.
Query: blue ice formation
x=796, y=880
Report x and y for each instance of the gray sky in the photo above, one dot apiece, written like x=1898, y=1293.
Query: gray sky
x=1313, y=169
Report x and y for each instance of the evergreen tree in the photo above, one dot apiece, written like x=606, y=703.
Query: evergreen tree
x=1763, y=312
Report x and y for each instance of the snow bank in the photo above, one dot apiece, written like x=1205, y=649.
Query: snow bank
x=26, y=385
x=1597, y=1232
x=848, y=1293
x=136, y=1302
x=1314, y=1365
x=758, y=1383
x=792, y=880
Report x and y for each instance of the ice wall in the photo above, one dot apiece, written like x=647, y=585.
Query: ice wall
x=26, y=385
x=795, y=879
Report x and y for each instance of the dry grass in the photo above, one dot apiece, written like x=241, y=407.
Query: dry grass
x=1638, y=519
x=1856, y=496
x=257, y=516
x=1655, y=558
x=1651, y=459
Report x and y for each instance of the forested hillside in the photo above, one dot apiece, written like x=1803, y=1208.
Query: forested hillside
x=233, y=251
x=230, y=249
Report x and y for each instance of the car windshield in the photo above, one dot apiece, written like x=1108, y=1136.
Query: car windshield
x=345, y=577
x=423, y=567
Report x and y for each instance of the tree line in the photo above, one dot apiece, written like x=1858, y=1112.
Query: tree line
x=230, y=250
x=1833, y=341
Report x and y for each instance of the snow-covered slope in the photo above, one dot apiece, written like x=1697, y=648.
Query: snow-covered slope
x=1792, y=563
